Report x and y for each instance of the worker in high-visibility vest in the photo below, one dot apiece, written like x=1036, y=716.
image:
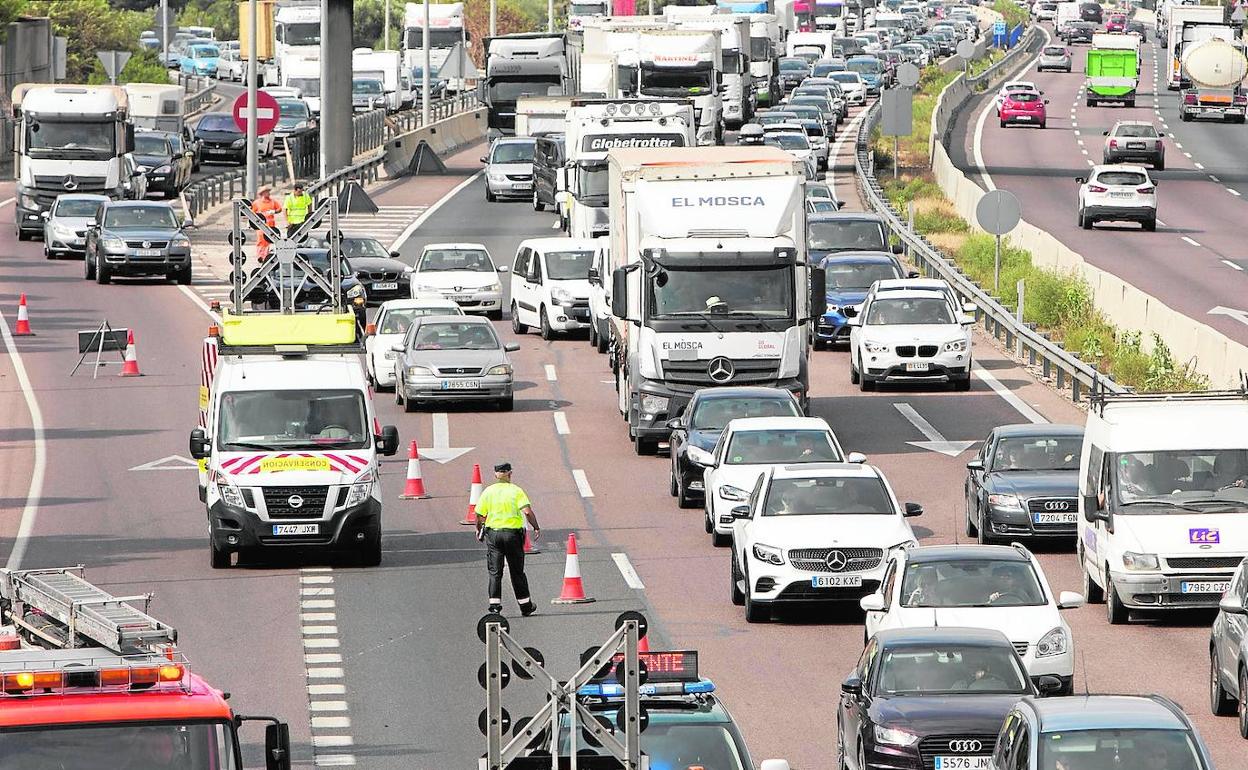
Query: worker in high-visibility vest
x=297, y=205
x=266, y=207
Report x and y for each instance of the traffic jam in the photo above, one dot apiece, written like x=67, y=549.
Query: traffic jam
x=696, y=251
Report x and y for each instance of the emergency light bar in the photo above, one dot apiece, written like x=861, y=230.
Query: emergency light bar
x=613, y=690
x=111, y=678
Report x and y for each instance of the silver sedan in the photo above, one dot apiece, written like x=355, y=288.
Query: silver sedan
x=1055, y=58
x=453, y=358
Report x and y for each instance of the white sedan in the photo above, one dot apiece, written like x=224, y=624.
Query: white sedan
x=746, y=448
x=913, y=335
x=393, y=318
x=815, y=533
x=462, y=272
x=852, y=84
x=979, y=586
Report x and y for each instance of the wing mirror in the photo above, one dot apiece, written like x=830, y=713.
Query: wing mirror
x=1104, y=133
x=1069, y=600
x=484, y=159
x=1048, y=685
x=913, y=509
x=200, y=446
x=700, y=457
x=277, y=746
x=397, y=348
x=503, y=268
x=675, y=424
x=511, y=347
x=741, y=512
x=872, y=602
x=852, y=685
x=856, y=457
x=1081, y=180
x=388, y=441
x=896, y=248
x=1231, y=605
x=975, y=465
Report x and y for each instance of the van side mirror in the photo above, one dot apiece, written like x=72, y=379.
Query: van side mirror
x=619, y=294
x=388, y=441
x=200, y=446
x=872, y=602
x=1091, y=513
x=852, y=685
x=277, y=746
x=913, y=509
x=595, y=278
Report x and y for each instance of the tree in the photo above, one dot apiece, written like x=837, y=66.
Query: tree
x=143, y=67
x=221, y=15
x=511, y=18
x=90, y=26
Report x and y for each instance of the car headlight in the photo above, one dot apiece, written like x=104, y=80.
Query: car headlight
x=60, y=231
x=419, y=371
x=496, y=176
x=390, y=355
x=165, y=169
x=491, y=287
x=1139, y=561
x=28, y=201
x=427, y=287
x=360, y=490
x=143, y=169
x=955, y=346
x=229, y=493
x=113, y=244
x=355, y=291
x=652, y=405
x=1005, y=502
x=180, y=241
x=736, y=494
x=874, y=347
x=239, y=143
x=769, y=554
x=561, y=297
x=501, y=369
x=833, y=308
x=1052, y=643
x=894, y=736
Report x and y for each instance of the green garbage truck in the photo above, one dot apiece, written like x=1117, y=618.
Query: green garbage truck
x=1113, y=69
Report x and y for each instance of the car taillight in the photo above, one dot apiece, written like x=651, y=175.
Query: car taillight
x=1239, y=99
x=1189, y=98
x=1146, y=190
x=1096, y=188
x=1113, y=144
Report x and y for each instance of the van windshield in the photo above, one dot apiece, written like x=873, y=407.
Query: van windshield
x=292, y=419
x=1214, y=480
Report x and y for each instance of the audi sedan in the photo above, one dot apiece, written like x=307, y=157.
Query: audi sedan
x=1024, y=482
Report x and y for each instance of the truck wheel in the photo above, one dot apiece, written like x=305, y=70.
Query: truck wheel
x=1115, y=611
x=220, y=559
x=603, y=342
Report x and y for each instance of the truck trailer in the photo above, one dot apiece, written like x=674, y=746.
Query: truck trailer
x=1214, y=70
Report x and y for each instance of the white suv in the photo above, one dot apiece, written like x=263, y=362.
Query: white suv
x=550, y=285
x=907, y=336
x=979, y=586
x=1117, y=193
x=815, y=533
x=746, y=448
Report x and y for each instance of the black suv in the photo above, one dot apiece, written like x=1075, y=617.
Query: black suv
x=220, y=140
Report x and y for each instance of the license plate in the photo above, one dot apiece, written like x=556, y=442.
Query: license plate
x=147, y=252
x=385, y=286
x=1205, y=586
x=296, y=529
x=961, y=763
x=461, y=384
x=1022, y=117
x=1120, y=195
x=836, y=581
x=917, y=366
x=1135, y=145
x=1054, y=518
x=461, y=297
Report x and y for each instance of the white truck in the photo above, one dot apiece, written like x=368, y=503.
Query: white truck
x=1187, y=25
x=538, y=115
x=734, y=46
x=1066, y=13
x=710, y=281
x=824, y=41
x=1215, y=71
x=599, y=76
x=594, y=127
x=518, y=66
x=446, y=30
x=1162, y=499
x=765, y=47
x=580, y=10
x=297, y=30
x=155, y=106
x=685, y=64
x=304, y=74
x=386, y=66
x=67, y=138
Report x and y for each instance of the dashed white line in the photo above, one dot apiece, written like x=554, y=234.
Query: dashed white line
x=316, y=591
x=1008, y=395
x=1233, y=192
x=34, y=490
x=1187, y=155
x=561, y=424
x=1232, y=265
x=1189, y=241
x=551, y=374
x=6, y=202
x=327, y=689
x=320, y=635
x=334, y=722
x=316, y=617
x=320, y=644
x=1085, y=152
x=317, y=604
x=582, y=483
x=320, y=630
x=1213, y=178
x=1163, y=224
x=1200, y=166
x=1080, y=142
x=332, y=741
x=316, y=579
x=325, y=673
x=328, y=705
x=626, y=571
x=335, y=760
x=1178, y=146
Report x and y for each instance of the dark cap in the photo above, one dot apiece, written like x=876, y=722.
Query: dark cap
x=298, y=185
x=502, y=468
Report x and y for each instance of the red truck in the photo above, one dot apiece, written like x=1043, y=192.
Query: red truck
x=89, y=682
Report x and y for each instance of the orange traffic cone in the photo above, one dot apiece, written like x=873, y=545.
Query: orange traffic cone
x=415, y=487
x=529, y=545
x=643, y=644
x=573, y=590
x=130, y=367
x=474, y=494
x=23, y=321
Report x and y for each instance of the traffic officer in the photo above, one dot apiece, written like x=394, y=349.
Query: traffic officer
x=501, y=513
x=297, y=205
x=266, y=207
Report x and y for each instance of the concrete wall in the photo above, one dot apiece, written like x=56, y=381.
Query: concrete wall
x=443, y=137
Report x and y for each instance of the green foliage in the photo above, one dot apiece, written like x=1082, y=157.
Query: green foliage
x=1014, y=14
x=90, y=26
x=143, y=67
x=221, y=15
x=370, y=18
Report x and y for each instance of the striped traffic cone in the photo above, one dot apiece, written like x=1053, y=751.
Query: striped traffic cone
x=573, y=590
x=529, y=545
x=130, y=367
x=474, y=494
x=23, y=321
x=415, y=487
x=643, y=644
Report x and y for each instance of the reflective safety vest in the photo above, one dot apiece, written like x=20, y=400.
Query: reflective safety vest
x=297, y=208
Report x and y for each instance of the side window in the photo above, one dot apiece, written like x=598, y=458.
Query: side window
x=1009, y=729
x=1021, y=758
x=521, y=268
x=1096, y=456
x=535, y=268
x=758, y=488
x=539, y=153
x=890, y=580
x=986, y=451
x=1106, y=481
x=863, y=669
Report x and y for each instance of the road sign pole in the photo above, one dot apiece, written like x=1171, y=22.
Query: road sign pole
x=424, y=72
x=253, y=158
x=996, y=269
x=493, y=18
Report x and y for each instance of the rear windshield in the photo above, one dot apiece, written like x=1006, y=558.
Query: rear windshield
x=1120, y=178
x=1054, y=50
x=1024, y=96
x=1140, y=131
x=756, y=447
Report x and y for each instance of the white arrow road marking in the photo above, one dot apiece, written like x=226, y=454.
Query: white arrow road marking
x=442, y=451
x=935, y=442
x=170, y=463
x=627, y=572
x=1238, y=315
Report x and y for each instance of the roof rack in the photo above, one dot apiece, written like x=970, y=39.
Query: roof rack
x=64, y=611
x=1101, y=395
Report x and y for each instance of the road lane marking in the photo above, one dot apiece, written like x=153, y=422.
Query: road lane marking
x=561, y=424
x=199, y=302
x=324, y=673
x=627, y=572
x=316, y=591
x=1213, y=178
x=1189, y=241
x=582, y=483
x=935, y=441
x=1232, y=265
x=317, y=617
x=420, y=220
x=320, y=630
x=316, y=569
x=336, y=722
x=328, y=705
x=317, y=604
x=1233, y=192
x=1187, y=155
x=327, y=689
x=6, y=202
x=554, y=225
x=1163, y=224
x=34, y=491
x=316, y=579
x=332, y=741
x=1009, y=396
x=1200, y=166
x=320, y=644
x=551, y=374
x=335, y=760
x=1178, y=146
x=1085, y=152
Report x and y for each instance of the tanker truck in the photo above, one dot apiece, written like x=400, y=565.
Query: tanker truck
x=1216, y=70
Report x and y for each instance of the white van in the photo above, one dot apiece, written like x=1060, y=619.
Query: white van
x=1163, y=491
x=550, y=285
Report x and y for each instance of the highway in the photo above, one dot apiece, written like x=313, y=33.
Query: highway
x=1195, y=261
x=387, y=657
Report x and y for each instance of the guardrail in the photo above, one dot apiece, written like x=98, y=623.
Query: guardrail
x=227, y=185
x=1063, y=366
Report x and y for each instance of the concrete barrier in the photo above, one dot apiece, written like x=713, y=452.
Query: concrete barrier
x=443, y=137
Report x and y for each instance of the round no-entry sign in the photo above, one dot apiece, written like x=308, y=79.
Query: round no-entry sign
x=267, y=112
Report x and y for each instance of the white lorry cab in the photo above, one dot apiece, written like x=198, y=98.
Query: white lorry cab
x=1163, y=489
x=290, y=443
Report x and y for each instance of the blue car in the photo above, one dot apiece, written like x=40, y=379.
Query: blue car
x=870, y=69
x=847, y=276
x=201, y=60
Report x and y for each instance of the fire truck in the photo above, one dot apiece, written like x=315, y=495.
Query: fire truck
x=90, y=682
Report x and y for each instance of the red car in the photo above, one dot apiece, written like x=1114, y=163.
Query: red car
x=1026, y=107
x=1116, y=23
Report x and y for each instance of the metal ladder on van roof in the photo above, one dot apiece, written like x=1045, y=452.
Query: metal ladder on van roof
x=64, y=610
